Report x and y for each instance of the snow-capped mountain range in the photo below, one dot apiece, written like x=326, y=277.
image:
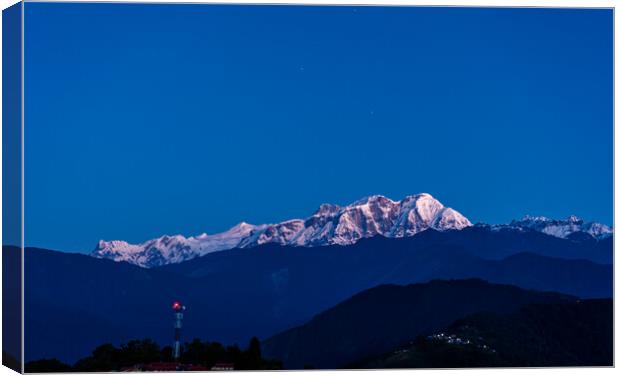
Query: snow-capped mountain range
x=330, y=224
x=558, y=228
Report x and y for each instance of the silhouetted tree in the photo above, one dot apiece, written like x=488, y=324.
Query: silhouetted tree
x=139, y=351
x=104, y=358
x=254, y=348
x=194, y=352
x=252, y=356
x=166, y=354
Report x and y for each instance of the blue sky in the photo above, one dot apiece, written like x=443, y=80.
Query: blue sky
x=144, y=120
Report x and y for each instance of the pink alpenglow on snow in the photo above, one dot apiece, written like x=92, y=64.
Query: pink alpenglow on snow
x=330, y=224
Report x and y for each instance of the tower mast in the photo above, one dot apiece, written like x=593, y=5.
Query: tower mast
x=178, y=324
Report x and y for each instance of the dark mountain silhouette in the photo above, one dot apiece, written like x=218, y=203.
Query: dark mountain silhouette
x=75, y=302
x=11, y=307
x=386, y=316
x=567, y=334
x=482, y=241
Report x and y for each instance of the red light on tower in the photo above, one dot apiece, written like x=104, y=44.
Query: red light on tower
x=177, y=306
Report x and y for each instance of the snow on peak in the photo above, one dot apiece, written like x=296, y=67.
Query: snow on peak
x=326, y=209
x=333, y=224
x=201, y=236
x=242, y=228
x=559, y=228
x=372, y=199
x=330, y=224
x=366, y=217
x=535, y=218
x=172, y=249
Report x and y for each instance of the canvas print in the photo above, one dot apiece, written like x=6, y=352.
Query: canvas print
x=284, y=187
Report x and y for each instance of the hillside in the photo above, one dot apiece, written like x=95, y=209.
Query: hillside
x=388, y=315
x=567, y=334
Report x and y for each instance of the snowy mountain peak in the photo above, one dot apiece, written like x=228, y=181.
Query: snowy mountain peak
x=559, y=228
x=330, y=224
x=326, y=209
x=419, y=196
x=201, y=236
x=534, y=218
x=372, y=199
x=242, y=227
x=333, y=224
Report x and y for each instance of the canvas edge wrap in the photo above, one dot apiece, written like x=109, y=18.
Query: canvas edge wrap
x=12, y=187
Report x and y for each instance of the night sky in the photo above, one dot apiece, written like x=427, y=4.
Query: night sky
x=144, y=120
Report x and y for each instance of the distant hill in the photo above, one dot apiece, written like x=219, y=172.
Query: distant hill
x=386, y=316
x=498, y=242
x=540, y=335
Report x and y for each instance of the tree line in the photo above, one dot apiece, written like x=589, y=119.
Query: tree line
x=108, y=357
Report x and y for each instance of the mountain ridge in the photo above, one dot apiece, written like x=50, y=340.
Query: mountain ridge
x=558, y=228
x=362, y=325
x=331, y=224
